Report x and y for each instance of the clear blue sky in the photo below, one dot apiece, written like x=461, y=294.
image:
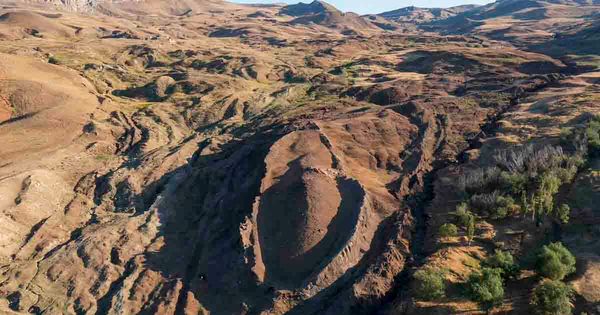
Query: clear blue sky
x=378, y=6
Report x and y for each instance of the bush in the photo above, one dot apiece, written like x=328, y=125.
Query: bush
x=555, y=261
x=429, y=284
x=563, y=213
x=530, y=159
x=479, y=180
x=484, y=203
x=495, y=205
x=448, y=230
x=486, y=287
x=552, y=298
x=592, y=133
x=515, y=183
x=463, y=214
x=504, y=261
x=471, y=228
x=53, y=60
x=505, y=206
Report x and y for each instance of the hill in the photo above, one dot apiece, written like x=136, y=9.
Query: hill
x=134, y=6
x=324, y=14
x=528, y=22
x=424, y=15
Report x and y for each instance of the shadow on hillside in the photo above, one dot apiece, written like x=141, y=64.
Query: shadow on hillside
x=201, y=208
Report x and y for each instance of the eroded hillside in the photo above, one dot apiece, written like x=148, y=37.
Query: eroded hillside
x=205, y=157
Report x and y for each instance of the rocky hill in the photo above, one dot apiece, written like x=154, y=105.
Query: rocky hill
x=204, y=157
x=324, y=14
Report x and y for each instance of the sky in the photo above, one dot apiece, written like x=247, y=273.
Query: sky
x=377, y=6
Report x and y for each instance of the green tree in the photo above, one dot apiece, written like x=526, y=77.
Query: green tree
x=504, y=261
x=448, y=230
x=592, y=133
x=429, y=284
x=555, y=261
x=463, y=214
x=486, y=287
x=470, y=228
x=552, y=298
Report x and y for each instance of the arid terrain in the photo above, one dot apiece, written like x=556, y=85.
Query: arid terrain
x=205, y=157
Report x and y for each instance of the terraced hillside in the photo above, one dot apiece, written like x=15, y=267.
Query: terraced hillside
x=204, y=157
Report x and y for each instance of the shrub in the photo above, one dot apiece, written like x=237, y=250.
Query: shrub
x=549, y=185
x=429, y=284
x=479, y=180
x=463, y=214
x=515, y=183
x=566, y=136
x=53, y=60
x=504, y=261
x=486, y=287
x=530, y=159
x=448, y=230
x=552, y=298
x=484, y=203
x=592, y=133
x=494, y=204
x=505, y=206
x=563, y=213
x=471, y=228
x=555, y=261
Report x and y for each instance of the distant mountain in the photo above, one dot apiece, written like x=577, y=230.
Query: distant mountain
x=523, y=22
x=315, y=7
x=170, y=7
x=424, y=15
x=530, y=9
x=325, y=14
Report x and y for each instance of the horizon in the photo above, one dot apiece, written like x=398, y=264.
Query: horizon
x=375, y=6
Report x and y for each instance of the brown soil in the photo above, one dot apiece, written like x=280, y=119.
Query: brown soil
x=198, y=157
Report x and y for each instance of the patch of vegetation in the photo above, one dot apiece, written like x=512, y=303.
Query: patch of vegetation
x=467, y=102
x=524, y=181
x=429, y=284
x=466, y=220
x=54, y=60
x=103, y=157
x=448, y=230
x=583, y=139
x=592, y=133
x=552, y=298
x=144, y=106
x=493, y=99
x=555, y=261
x=504, y=261
x=486, y=287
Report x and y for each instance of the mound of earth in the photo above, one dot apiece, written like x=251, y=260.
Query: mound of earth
x=19, y=24
x=47, y=106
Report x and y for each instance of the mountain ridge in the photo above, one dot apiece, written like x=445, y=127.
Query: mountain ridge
x=424, y=15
